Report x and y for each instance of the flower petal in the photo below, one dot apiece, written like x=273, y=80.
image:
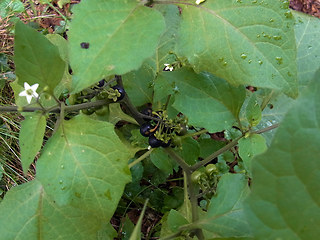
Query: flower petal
x=34, y=94
x=29, y=97
x=34, y=87
x=23, y=93
x=26, y=86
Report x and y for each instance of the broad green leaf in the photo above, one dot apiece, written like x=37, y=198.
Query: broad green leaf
x=253, y=111
x=84, y=165
x=307, y=31
x=277, y=106
x=212, y=102
x=27, y=212
x=62, y=46
x=218, y=36
x=250, y=147
x=121, y=35
x=284, y=202
x=31, y=137
x=162, y=161
x=36, y=59
x=127, y=228
x=116, y=114
x=209, y=146
x=136, y=234
x=175, y=220
x=164, y=51
x=108, y=232
x=225, y=216
x=138, y=84
x=7, y=7
x=190, y=150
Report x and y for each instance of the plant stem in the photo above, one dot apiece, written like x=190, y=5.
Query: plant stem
x=190, y=186
x=194, y=134
x=178, y=159
x=129, y=106
x=55, y=9
x=142, y=157
x=56, y=109
x=194, y=203
x=215, y=154
x=266, y=129
x=175, y=2
x=228, y=147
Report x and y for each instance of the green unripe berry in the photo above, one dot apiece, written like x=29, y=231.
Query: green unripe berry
x=196, y=176
x=211, y=169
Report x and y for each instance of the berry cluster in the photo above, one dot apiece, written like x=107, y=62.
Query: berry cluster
x=99, y=91
x=207, y=178
x=159, y=129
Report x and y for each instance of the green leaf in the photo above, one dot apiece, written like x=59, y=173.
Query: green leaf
x=209, y=146
x=168, y=40
x=7, y=7
x=121, y=35
x=27, y=212
x=219, y=37
x=253, y=111
x=190, y=150
x=284, y=202
x=136, y=234
x=307, y=30
x=31, y=137
x=175, y=220
x=85, y=165
x=273, y=113
x=138, y=85
x=250, y=147
x=61, y=3
x=212, y=102
x=62, y=46
x=36, y=59
x=162, y=161
x=225, y=216
x=116, y=114
x=127, y=228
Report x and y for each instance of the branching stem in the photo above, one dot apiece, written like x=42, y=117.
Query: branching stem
x=142, y=157
x=56, y=109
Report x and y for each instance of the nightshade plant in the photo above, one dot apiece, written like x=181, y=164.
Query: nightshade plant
x=259, y=180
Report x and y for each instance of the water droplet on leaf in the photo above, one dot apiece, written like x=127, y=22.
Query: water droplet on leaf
x=279, y=60
x=243, y=56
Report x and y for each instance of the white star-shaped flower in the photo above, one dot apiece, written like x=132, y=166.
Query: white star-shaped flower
x=168, y=67
x=29, y=91
x=200, y=1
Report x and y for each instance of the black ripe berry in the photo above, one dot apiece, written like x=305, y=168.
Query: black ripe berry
x=145, y=129
x=165, y=145
x=84, y=45
x=147, y=112
x=154, y=142
x=121, y=91
x=101, y=83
